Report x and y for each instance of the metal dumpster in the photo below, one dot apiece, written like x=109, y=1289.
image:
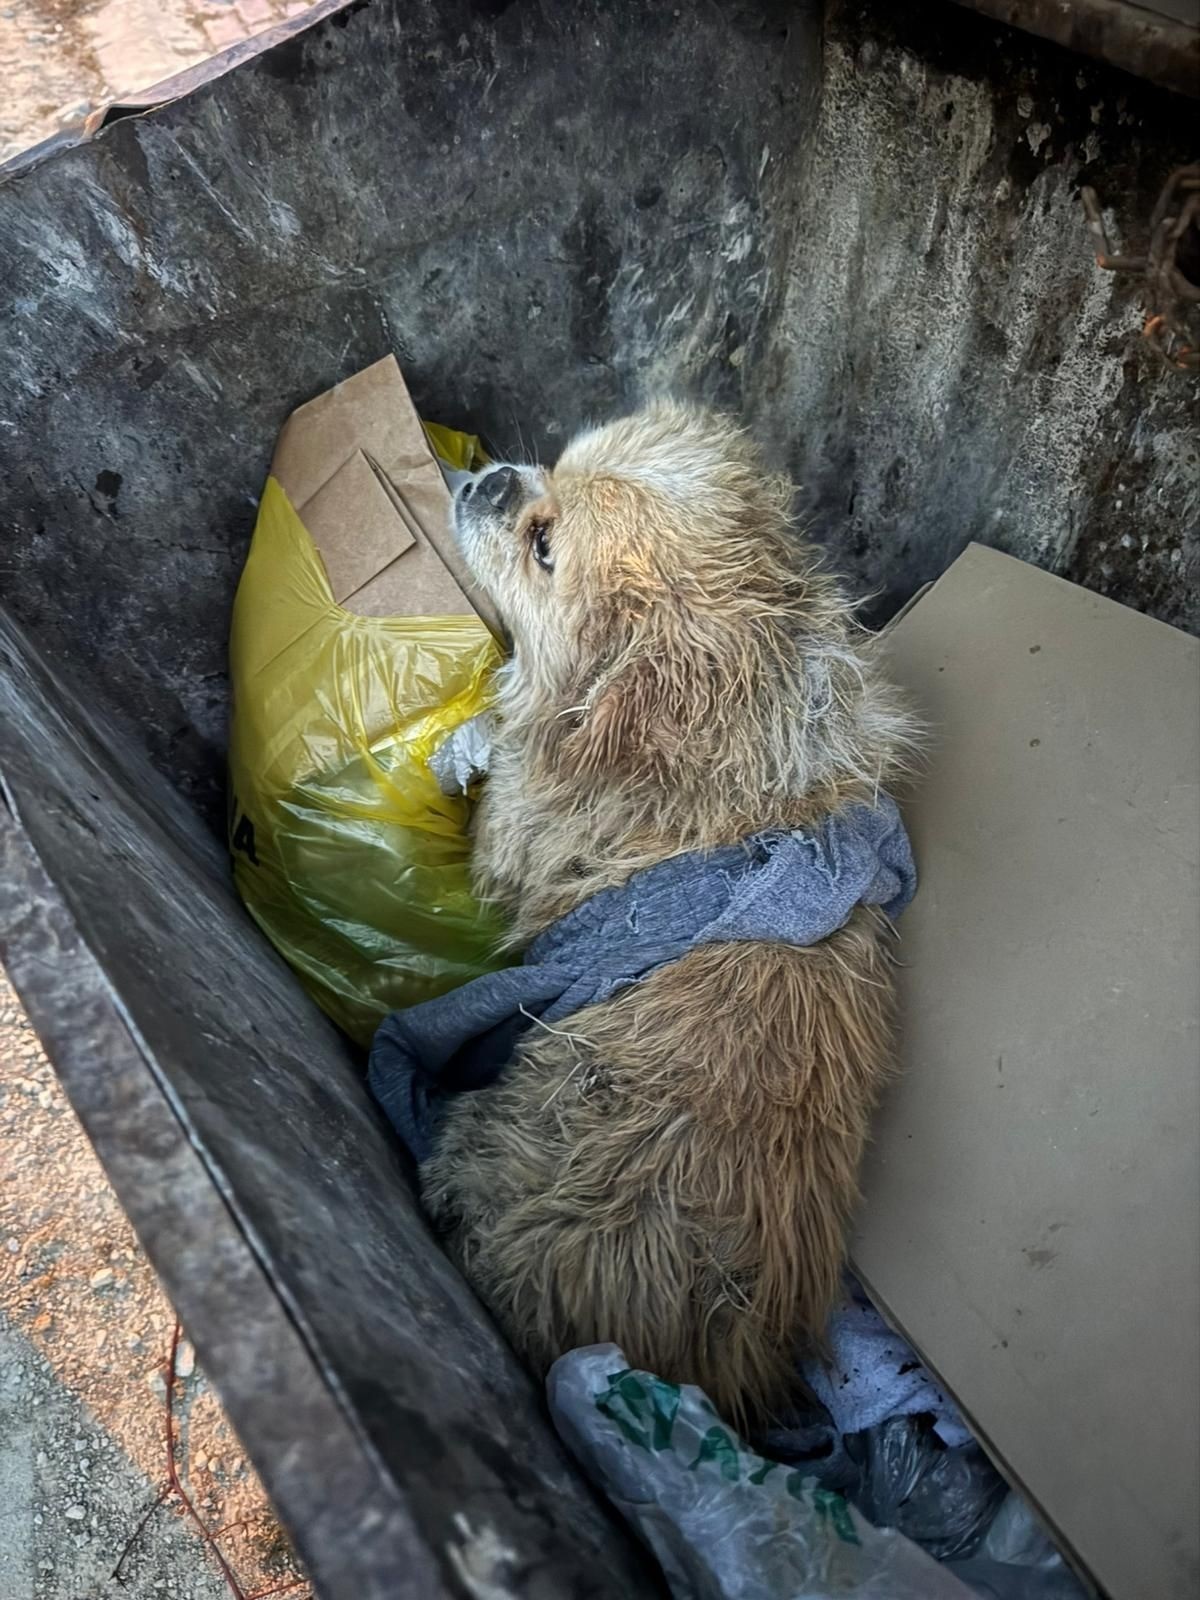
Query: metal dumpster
x=859, y=229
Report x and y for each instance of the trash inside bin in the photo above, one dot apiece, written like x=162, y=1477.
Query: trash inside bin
x=725, y=1523
x=354, y=659
x=729, y=1524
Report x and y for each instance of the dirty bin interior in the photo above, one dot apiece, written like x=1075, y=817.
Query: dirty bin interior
x=858, y=230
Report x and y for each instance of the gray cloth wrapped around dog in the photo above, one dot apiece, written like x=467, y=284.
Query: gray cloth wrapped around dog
x=778, y=888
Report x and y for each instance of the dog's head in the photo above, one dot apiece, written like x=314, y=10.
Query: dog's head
x=654, y=592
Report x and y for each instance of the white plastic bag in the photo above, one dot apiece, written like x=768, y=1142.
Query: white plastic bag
x=1017, y=1560
x=463, y=757
x=724, y=1523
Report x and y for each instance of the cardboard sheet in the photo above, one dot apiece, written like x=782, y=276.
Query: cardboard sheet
x=1032, y=1217
x=357, y=466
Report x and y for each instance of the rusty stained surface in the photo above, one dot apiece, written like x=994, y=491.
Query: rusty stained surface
x=1158, y=41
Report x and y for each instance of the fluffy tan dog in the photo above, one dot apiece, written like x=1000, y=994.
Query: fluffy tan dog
x=673, y=1169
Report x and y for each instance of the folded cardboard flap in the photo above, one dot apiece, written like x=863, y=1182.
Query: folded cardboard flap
x=356, y=526
x=357, y=466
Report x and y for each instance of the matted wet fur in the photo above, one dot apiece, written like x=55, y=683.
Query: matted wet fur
x=674, y=1169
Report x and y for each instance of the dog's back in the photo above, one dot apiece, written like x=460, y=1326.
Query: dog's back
x=673, y=1170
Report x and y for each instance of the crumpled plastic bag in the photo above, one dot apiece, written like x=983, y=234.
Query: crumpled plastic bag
x=346, y=851
x=1018, y=1561
x=724, y=1523
x=942, y=1498
x=462, y=759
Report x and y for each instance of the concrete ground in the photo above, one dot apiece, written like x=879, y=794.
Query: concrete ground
x=85, y=1330
x=85, y=1342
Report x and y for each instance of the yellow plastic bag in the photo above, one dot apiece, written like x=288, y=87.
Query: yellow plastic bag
x=345, y=850
x=462, y=451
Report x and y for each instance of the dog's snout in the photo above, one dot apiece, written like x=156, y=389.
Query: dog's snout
x=501, y=487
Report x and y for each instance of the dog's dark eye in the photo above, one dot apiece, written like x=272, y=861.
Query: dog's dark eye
x=539, y=543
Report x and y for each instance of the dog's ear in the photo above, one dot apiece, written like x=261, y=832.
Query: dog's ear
x=652, y=699
x=634, y=718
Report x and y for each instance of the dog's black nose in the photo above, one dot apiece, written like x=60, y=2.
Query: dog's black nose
x=500, y=488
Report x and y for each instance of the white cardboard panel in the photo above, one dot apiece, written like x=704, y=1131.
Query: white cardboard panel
x=1032, y=1220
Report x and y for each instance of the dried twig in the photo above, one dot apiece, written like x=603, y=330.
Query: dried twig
x=174, y=1489
x=1172, y=326
x=181, y=1493
x=164, y=1494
